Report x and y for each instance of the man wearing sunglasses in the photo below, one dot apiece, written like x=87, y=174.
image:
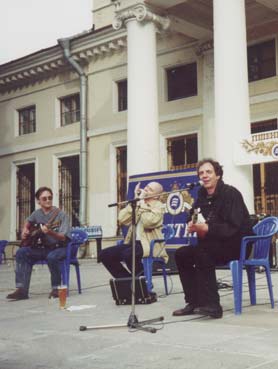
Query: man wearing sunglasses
x=54, y=229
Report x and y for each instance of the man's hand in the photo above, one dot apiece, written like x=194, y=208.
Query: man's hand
x=137, y=190
x=44, y=229
x=25, y=233
x=201, y=229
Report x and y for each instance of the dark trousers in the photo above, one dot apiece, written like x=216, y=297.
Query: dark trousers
x=197, y=274
x=113, y=257
x=27, y=256
x=196, y=266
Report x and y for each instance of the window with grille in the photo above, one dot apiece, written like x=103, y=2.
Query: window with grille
x=69, y=187
x=182, y=152
x=261, y=61
x=25, y=195
x=265, y=126
x=27, y=120
x=121, y=178
x=265, y=175
x=70, y=109
x=122, y=95
x=182, y=81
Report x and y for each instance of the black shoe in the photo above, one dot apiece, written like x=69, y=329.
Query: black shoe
x=18, y=294
x=153, y=297
x=53, y=294
x=214, y=311
x=187, y=310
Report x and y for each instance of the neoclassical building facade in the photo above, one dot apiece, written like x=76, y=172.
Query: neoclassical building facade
x=154, y=85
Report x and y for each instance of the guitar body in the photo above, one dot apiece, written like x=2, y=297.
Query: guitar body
x=34, y=237
x=197, y=217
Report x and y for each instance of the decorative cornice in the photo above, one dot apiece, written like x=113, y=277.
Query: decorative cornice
x=204, y=47
x=37, y=144
x=36, y=68
x=141, y=13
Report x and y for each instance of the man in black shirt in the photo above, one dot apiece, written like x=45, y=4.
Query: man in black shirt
x=223, y=220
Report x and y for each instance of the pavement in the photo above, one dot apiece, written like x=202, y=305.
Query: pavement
x=36, y=334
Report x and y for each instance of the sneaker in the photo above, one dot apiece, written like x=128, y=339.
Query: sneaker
x=187, y=310
x=53, y=294
x=214, y=311
x=18, y=294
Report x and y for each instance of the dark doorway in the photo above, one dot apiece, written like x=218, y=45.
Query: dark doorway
x=265, y=176
x=121, y=177
x=25, y=195
x=69, y=189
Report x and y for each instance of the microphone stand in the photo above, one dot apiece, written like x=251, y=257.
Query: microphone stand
x=133, y=321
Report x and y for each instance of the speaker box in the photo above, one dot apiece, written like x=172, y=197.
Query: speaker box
x=121, y=291
x=171, y=266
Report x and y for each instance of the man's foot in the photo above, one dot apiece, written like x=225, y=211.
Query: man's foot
x=53, y=294
x=153, y=296
x=214, y=311
x=18, y=294
x=187, y=310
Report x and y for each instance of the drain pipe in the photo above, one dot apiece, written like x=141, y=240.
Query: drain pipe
x=65, y=44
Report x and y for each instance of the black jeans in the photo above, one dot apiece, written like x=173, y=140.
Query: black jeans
x=196, y=266
x=112, y=258
x=197, y=274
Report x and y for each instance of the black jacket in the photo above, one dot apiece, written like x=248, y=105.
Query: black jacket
x=227, y=217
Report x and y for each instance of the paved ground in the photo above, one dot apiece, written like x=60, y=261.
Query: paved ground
x=36, y=334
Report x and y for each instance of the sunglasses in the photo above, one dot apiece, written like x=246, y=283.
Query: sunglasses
x=45, y=198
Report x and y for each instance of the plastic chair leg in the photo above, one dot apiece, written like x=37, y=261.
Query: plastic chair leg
x=148, y=265
x=236, y=270
x=252, y=284
x=269, y=283
x=165, y=278
x=78, y=278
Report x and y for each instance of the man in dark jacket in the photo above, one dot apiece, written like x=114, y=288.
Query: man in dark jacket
x=223, y=220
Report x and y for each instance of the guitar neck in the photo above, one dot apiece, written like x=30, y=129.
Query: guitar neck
x=195, y=216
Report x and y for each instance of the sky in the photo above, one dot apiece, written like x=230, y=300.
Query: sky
x=28, y=26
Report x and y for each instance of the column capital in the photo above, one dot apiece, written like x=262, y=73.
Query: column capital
x=141, y=13
x=204, y=47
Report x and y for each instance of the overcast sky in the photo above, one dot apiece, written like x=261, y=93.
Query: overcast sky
x=27, y=26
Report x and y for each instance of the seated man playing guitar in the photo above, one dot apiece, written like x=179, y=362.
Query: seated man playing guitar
x=44, y=237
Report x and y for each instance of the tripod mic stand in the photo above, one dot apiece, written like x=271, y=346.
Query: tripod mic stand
x=133, y=321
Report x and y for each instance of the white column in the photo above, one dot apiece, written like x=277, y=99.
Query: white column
x=232, y=115
x=143, y=124
x=208, y=129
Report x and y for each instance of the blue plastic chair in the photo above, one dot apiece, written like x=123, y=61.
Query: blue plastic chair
x=264, y=231
x=168, y=232
x=79, y=237
x=3, y=244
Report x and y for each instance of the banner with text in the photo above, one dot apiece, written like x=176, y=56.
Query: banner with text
x=180, y=190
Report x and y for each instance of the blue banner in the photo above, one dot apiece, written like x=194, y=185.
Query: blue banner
x=180, y=190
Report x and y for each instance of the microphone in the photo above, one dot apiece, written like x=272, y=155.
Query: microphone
x=194, y=184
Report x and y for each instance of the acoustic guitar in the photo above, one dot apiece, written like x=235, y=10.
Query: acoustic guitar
x=35, y=236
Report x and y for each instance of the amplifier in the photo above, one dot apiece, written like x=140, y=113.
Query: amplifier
x=121, y=291
x=171, y=266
